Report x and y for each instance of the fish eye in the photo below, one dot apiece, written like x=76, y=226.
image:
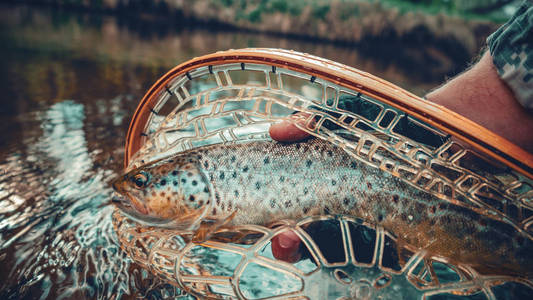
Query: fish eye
x=140, y=179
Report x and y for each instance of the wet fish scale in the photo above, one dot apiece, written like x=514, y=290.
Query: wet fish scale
x=271, y=178
x=316, y=176
x=268, y=181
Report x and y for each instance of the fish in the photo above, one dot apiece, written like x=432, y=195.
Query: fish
x=259, y=182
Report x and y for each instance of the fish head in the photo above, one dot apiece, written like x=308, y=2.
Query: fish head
x=173, y=189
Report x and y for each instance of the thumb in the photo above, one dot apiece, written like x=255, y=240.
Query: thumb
x=286, y=247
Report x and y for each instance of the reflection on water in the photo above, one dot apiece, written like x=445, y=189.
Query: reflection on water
x=58, y=155
x=57, y=237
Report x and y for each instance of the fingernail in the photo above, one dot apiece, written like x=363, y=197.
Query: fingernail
x=288, y=240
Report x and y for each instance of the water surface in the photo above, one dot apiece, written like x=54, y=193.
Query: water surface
x=70, y=83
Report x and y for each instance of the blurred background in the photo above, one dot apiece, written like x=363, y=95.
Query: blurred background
x=73, y=71
x=92, y=49
x=51, y=48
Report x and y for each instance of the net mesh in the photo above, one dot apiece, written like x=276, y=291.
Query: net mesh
x=236, y=102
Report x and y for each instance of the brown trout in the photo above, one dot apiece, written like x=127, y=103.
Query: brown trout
x=261, y=182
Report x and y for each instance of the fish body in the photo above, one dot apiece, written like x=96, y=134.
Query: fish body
x=264, y=181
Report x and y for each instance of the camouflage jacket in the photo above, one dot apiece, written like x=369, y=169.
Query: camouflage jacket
x=511, y=47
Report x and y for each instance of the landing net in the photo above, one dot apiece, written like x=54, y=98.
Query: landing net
x=234, y=97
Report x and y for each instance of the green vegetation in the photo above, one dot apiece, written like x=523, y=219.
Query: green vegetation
x=255, y=16
x=227, y=2
x=294, y=7
x=349, y=12
x=320, y=12
x=319, y=9
x=467, y=9
x=254, y=9
x=279, y=5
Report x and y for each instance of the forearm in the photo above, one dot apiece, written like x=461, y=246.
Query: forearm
x=480, y=95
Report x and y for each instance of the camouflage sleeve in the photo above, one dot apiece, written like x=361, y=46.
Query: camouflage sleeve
x=511, y=47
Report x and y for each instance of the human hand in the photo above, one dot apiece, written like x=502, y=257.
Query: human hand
x=286, y=245
x=482, y=96
x=286, y=130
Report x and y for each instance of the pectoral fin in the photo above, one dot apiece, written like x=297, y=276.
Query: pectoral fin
x=207, y=228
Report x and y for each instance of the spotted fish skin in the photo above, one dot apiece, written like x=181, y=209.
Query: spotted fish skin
x=267, y=181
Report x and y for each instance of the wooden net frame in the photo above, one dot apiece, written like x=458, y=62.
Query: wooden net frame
x=234, y=96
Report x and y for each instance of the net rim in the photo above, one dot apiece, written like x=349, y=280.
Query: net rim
x=465, y=130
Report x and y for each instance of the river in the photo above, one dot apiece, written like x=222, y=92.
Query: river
x=70, y=82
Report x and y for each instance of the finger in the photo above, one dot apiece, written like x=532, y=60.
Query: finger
x=286, y=247
x=286, y=130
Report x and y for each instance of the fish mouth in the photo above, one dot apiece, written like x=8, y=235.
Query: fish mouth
x=187, y=222
x=123, y=195
x=118, y=184
x=122, y=203
x=126, y=206
x=130, y=206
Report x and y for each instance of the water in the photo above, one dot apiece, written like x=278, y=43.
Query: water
x=70, y=83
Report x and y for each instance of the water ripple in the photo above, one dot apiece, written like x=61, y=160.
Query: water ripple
x=55, y=221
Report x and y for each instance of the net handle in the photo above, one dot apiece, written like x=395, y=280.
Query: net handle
x=480, y=138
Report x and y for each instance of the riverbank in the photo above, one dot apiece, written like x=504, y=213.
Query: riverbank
x=457, y=37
